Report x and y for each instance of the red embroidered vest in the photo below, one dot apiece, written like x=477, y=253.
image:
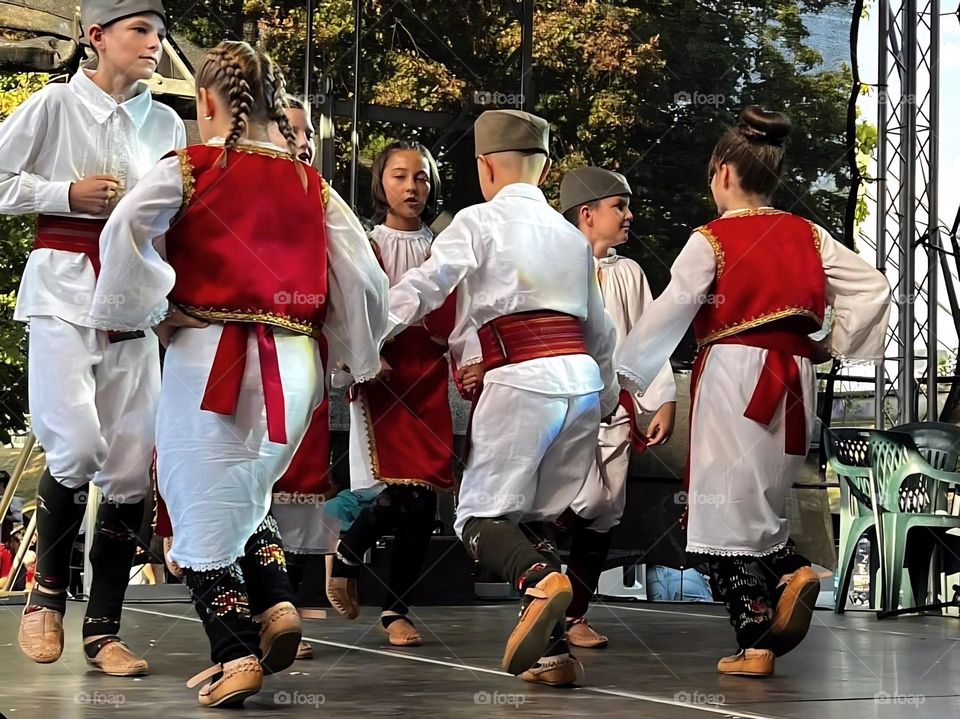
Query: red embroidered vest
x=768, y=270
x=231, y=245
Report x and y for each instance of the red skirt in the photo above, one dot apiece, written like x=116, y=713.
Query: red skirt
x=409, y=424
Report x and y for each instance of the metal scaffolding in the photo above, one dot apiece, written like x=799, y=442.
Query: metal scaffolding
x=908, y=232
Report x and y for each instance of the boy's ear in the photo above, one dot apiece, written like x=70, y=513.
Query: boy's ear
x=546, y=171
x=485, y=167
x=586, y=215
x=95, y=35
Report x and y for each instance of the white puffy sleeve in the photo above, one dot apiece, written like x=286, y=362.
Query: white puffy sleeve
x=600, y=337
x=22, y=135
x=663, y=389
x=422, y=289
x=661, y=326
x=357, y=293
x=135, y=278
x=860, y=297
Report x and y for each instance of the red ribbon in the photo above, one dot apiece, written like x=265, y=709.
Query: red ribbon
x=226, y=376
x=779, y=378
x=638, y=440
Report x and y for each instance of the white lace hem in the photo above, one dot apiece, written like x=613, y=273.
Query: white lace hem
x=630, y=381
x=205, y=566
x=726, y=552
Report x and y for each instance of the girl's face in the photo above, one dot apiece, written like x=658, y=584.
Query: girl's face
x=406, y=183
x=131, y=47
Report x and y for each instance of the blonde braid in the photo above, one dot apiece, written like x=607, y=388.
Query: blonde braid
x=238, y=96
x=274, y=92
x=224, y=69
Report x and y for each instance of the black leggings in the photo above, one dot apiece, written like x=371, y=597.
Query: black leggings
x=406, y=511
x=748, y=587
x=228, y=598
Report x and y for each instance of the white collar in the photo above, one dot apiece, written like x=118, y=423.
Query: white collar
x=611, y=257
x=102, y=105
x=382, y=231
x=521, y=189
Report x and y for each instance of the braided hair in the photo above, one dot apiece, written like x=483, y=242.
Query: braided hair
x=274, y=90
x=253, y=88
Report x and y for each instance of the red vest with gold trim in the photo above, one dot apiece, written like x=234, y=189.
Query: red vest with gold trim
x=768, y=270
x=250, y=243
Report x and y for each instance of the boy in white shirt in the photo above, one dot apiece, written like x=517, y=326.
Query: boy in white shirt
x=528, y=289
x=68, y=154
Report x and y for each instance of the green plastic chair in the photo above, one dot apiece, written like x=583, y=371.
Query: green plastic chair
x=939, y=444
x=909, y=489
x=848, y=453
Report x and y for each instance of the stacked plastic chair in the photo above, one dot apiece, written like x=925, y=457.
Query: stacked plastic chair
x=914, y=492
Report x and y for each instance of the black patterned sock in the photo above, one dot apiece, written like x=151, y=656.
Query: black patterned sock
x=111, y=556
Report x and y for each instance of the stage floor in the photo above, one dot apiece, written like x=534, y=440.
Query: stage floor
x=660, y=664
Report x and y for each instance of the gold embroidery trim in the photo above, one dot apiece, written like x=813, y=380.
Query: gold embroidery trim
x=186, y=174
x=375, y=461
x=256, y=150
x=754, y=212
x=817, y=239
x=715, y=244
x=325, y=191
x=756, y=322
x=267, y=318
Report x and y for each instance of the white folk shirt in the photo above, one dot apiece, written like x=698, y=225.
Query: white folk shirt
x=60, y=135
x=626, y=293
x=516, y=254
x=401, y=250
x=135, y=279
x=740, y=476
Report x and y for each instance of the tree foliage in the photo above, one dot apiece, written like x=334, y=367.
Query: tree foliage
x=16, y=236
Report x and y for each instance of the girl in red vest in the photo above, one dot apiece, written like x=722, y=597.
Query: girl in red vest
x=401, y=430
x=755, y=283
x=240, y=256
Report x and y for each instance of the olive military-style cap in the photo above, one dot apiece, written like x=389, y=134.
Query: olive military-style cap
x=586, y=184
x=103, y=12
x=511, y=131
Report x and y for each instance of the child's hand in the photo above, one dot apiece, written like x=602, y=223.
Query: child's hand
x=93, y=195
x=386, y=371
x=661, y=426
x=821, y=352
x=471, y=379
x=177, y=319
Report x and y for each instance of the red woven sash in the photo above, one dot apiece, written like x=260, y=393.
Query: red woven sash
x=530, y=335
x=70, y=234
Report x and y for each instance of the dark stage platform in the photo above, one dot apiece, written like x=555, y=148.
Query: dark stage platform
x=660, y=664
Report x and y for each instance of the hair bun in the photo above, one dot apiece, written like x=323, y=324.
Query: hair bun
x=762, y=125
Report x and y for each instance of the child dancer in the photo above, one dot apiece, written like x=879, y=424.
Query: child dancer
x=300, y=496
x=401, y=429
x=597, y=202
x=755, y=283
x=259, y=256
x=529, y=289
x=67, y=154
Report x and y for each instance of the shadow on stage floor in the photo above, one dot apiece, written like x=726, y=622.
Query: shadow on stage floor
x=660, y=663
